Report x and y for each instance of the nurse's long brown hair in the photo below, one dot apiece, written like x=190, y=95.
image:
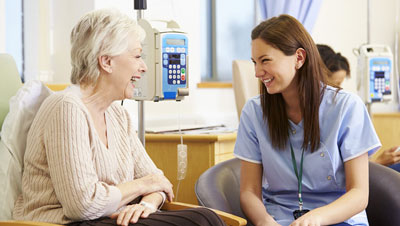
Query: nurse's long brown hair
x=287, y=34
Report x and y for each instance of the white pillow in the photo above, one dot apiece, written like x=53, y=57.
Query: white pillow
x=10, y=182
x=23, y=108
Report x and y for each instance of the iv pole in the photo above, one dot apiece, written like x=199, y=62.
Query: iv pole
x=368, y=42
x=140, y=5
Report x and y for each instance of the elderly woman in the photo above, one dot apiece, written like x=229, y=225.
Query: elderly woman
x=84, y=163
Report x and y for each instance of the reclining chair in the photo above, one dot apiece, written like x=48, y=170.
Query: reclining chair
x=10, y=83
x=244, y=82
x=24, y=103
x=219, y=188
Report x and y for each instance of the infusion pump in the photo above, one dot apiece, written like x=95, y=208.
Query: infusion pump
x=375, y=73
x=165, y=52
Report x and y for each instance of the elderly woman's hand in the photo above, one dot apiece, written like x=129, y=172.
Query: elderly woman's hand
x=132, y=213
x=158, y=183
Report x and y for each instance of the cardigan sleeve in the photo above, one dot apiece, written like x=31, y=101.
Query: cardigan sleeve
x=69, y=155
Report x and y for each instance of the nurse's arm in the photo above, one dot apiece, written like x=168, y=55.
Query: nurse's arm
x=250, y=194
x=354, y=200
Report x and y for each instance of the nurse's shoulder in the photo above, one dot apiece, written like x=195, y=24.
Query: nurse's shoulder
x=252, y=108
x=340, y=98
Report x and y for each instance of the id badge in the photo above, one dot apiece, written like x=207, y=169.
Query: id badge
x=299, y=213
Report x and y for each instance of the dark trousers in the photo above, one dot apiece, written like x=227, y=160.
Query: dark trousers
x=189, y=217
x=341, y=224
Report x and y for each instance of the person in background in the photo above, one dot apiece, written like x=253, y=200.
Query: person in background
x=303, y=144
x=339, y=67
x=337, y=64
x=389, y=157
x=84, y=164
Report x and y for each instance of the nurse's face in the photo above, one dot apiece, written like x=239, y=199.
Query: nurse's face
x=127, y=68
x=275, y=70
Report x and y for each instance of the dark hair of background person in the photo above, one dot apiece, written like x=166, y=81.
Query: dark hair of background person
x=333, y=61
x=287, y=34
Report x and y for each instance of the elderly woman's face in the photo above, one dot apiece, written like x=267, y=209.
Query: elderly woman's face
x=127, y=68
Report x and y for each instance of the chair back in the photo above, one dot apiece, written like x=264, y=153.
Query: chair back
x=384, y=196
x=18, y=107
x=10, y=82
x=245, y=84
x=219, y=187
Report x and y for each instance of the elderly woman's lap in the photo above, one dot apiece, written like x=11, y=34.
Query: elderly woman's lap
x=193, y=216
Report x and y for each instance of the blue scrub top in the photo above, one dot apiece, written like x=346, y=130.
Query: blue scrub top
x=346, y=132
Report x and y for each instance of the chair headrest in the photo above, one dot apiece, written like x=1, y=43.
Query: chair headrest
x=10, y=82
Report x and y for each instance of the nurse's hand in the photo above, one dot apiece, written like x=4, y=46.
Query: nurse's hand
x=388, y=157
x=308, y=219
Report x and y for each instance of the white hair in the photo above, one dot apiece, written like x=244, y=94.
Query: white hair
x=98, y=33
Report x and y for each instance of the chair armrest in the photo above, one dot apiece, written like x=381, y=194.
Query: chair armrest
x=229, y=219
x=26, y=223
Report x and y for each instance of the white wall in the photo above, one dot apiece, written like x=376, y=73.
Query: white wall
x=342, y=24
x=48, y=24
x=2, y=27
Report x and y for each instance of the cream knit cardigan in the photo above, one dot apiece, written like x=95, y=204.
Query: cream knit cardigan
x=69, y=174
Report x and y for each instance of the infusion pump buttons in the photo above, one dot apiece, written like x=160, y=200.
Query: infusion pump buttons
x=381, y=85
x=175, y=65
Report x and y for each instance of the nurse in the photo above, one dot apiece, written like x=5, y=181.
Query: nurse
x=304, y=145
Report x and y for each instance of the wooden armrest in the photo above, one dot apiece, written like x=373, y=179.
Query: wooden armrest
x=229, y=219
x=25, y=223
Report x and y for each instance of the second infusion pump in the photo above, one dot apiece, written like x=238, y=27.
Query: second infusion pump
x=375, y=73
x=165, y=52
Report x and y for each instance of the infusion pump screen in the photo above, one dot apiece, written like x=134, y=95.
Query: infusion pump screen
x=180, y=42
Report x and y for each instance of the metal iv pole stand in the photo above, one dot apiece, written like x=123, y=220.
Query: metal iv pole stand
x=140, y=5
x=368, y=42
